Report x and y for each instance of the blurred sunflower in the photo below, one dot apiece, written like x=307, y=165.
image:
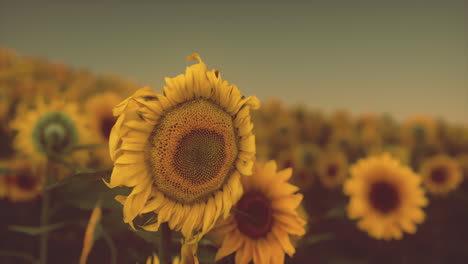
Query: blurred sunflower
x=332, y=169
x=371, y=140
x=54, y=129
x=441, y=174
x=400, y=152
x=345, y=140
x=23, y=182
x=3, y=182
x=183, y=151
x=283, y=133
x=262, y=222
x=419, y=130
x=99, y=108
x=462, y=160
x=385, y=196
x=305, y=159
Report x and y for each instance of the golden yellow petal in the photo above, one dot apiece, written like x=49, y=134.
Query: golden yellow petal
x=230, y=244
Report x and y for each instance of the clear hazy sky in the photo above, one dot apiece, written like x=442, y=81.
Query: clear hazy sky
x=402, y=57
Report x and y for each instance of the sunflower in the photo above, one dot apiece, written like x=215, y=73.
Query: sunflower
x=54, y=129
x=441, y=174
x=400, y=152
x=23, y=182
x=183, y=152
x=463, y=163
x=99, y=108
x=385, y=196
x=305, y=159
x=262, y=222
x=3, y=184
x=419, y=130
x=332, y=169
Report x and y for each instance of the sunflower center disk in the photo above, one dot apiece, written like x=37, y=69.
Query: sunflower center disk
x=254, y=215
x=26, y=182
x=55, y=133
x=384, y=197
x=191, y=152
x=439, y=175
x=332, y=170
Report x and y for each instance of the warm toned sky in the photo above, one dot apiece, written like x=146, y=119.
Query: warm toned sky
x=402, y=57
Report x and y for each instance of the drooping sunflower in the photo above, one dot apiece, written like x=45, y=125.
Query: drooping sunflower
x=23, y=182
x=52, y=128
x=441, y=174
x=385, y=197
x=263, y=221
x=332, y=168
x=183, y=151
x=99, y=108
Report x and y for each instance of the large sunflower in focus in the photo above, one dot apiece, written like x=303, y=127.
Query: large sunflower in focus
x=441, y=174
x=53, y=129
x=262, y=222
x=183, y=151
x=385, y=196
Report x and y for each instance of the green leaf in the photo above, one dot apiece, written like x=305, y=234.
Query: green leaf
x=83, y=176
x=84, y=189
x=88, y=147
x=150, y=237
x=33, y=230
x=316, y=238
x=338, y=212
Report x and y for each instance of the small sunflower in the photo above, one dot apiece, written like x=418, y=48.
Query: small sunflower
x=99, y=108
x=263, y=221
x=24, y=182
x=332, y=169
x=441, y=174
x=53, y=128
x=183, y=152
x=305, y=159
x=385, y=196
x=419, y=130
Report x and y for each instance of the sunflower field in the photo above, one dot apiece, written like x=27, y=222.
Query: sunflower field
x=98, y=169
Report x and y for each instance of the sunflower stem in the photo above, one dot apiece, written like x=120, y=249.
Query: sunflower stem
x=164, y=244
x=44, y=219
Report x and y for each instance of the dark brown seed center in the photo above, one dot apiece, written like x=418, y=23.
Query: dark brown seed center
x=254, y=215
x=332, y=170
x=439, y=175
x=384, y=197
